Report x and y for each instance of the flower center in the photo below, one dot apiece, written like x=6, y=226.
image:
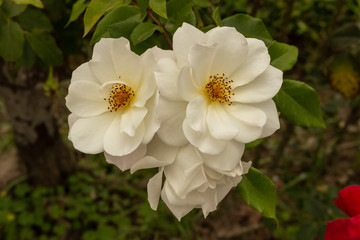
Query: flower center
x=218, y=89
x=120, y=97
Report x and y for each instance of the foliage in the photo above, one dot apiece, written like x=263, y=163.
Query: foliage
x=259, y=192
x=98, y=202
x=18, y=29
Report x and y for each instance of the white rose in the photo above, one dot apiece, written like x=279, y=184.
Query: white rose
x=192, y=179
x=217, y=86
x=113, y=99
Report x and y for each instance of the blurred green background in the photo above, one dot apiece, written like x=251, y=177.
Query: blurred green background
x=85, y=198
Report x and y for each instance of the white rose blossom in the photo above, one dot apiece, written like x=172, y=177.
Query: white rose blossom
x=112, y=99
x=216, y=88
x=192, y=179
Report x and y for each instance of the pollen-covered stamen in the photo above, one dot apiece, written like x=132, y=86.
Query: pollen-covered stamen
x=218, y=89
x=120, y=97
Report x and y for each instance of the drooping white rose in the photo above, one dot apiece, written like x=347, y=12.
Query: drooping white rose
x=217, y=86
x=113, y=99
x=192, y=179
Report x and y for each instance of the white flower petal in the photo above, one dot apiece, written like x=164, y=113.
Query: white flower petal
x=221, y=124
x=264, y=87
x=160, y=53
x=227, y=159
x=185, y=173
x=184, y=38
x=125, y=162
x=145, y=91
x=246, y=166
x=151, y=120
x=223, y=189
x=180, y=207
x=85, y=99
x=203, y=140
x=103, y=49
x=101, y=64
x=171, y=115
x=87, y=134
x=272, y=122
x=166, y=78
x=71, y=120
x=154, y=189
x=247, y=113
x=103, y=71
x=210, y=201
x=127, y=64
x=200, y=59
x=118, y=143
x=196, y=112
x=231, y=50
x=257, y=60
x=158, y=154
x=131, y=119
x=252, y=121
x=186, y=86
x=211, y=173
x=83, y=73
x=248, y=133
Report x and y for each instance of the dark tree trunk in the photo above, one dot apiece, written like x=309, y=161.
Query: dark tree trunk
x=40, y=147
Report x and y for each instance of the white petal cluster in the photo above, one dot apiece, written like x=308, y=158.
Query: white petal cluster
x=193, y=179
x=217, y=87
x=205, y=100
x=112, y=99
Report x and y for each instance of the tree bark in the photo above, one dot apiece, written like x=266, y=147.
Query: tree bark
x=39, y=144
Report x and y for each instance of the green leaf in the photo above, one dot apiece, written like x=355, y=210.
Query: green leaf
x=11, y=41
x=202, y=3
x=45, y=47
x=77, y=9
x=300, y=104
x=29, y=57
x=123, y=15
x=216, y=16
x=97, y=9
x=1, y=1
x=11, y=9
x=159, y=7
x=143, y=5
x=254, y=143
x=154, y=40
x=60, y=229
x=106, y=232
x=249, y=26
x=124, y=28
x=207, y=28
x=56, y=211
x=22, y=189
x=179, y=11
x=259, y=192
x=35, y=3
x=26, y=218
x=143, y=31
x=283, y=56
x=33, y=18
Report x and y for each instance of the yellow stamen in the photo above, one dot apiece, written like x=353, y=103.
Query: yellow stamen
x=120, y=97
x=218, y=89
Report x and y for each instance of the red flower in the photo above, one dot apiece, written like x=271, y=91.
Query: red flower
x=343, y=229
x=349, y=200
x=346, y=228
